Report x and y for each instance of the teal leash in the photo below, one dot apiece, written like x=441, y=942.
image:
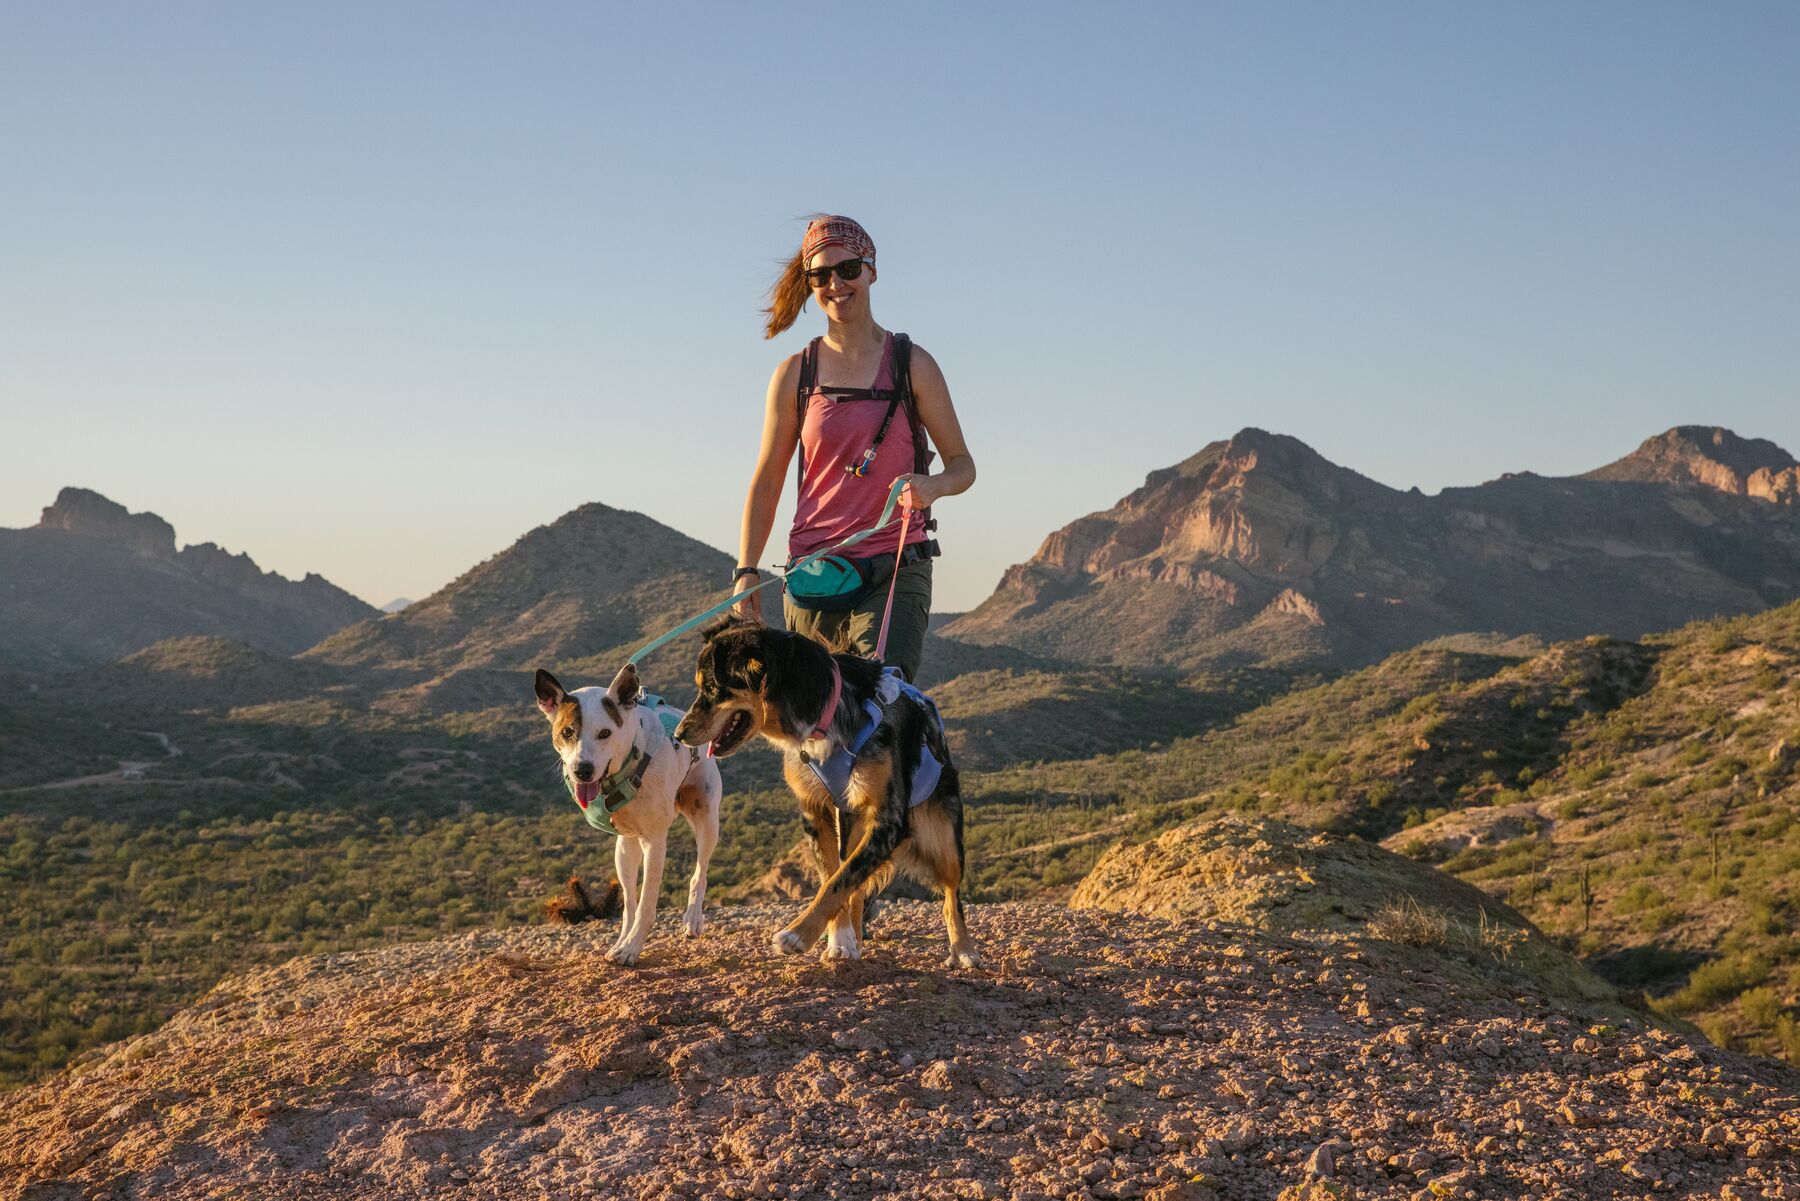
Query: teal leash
x=620, y=788
x=887, y=517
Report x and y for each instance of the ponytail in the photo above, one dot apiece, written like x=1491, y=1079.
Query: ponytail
x=788, y=297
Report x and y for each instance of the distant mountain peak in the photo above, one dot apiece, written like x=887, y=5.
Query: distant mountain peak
x=1710, y=457
x=595, y=579
x=93, y=581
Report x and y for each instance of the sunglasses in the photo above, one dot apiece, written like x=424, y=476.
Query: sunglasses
x=847, y=270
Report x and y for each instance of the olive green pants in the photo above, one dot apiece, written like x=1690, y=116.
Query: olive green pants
x=860, y=626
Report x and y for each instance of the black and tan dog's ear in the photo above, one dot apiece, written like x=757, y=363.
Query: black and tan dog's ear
x=625, y=686
x=550, y=694
x=726, y=624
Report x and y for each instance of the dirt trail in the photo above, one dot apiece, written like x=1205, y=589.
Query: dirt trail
x=129, y=771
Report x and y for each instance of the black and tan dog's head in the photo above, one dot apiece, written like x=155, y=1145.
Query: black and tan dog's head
x=754, y=680
x=587, y=727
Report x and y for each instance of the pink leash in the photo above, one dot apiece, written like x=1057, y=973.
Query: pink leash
x=893, y=585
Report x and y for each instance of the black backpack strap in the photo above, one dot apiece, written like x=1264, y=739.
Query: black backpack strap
x=809, y=374
x=922, y=453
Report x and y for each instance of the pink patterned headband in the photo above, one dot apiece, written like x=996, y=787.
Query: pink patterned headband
x=836, y=231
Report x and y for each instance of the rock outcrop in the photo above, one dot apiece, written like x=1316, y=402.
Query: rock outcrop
x=1709, y=457
x=1098, y=1055
x=80, y=511
x=1271, y=877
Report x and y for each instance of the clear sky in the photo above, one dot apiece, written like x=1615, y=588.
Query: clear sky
x=370, y=289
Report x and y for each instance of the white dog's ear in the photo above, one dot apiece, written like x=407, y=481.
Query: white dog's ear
x=625, y=687
x=550, y=694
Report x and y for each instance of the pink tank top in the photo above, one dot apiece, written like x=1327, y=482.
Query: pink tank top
x=839, y=426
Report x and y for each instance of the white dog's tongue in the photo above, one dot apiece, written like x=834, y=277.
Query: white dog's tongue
x=586, y=791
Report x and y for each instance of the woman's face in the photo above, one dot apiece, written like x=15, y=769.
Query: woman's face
x=842, y=299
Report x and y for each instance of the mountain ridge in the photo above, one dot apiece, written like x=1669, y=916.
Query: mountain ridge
x=92, y=582
x=1258, y=549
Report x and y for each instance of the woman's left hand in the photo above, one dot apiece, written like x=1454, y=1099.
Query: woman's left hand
x=920, y=491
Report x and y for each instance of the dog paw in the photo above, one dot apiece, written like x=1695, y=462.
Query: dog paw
x=788, y=942
x=964, y=958
x=693, y=922
x=625, y=956
x=846, y=948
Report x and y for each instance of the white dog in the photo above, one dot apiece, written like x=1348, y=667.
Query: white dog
x=631, y=777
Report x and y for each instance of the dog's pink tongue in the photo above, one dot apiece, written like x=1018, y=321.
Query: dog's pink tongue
x=586, y=791
x=711, y=747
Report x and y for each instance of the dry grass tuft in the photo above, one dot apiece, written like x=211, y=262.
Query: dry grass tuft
x=1403, y=920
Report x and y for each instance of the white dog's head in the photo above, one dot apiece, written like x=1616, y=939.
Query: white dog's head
x=588, y=728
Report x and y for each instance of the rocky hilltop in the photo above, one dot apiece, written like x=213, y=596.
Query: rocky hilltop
x=1709, y=457
x=1257, y=549
x=92, y=582
x=1277, y=878
x=1098, y=1055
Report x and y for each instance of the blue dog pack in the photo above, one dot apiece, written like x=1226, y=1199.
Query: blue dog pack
x=834, y=771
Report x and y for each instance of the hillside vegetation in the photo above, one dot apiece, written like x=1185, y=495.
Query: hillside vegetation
x=1669, y=843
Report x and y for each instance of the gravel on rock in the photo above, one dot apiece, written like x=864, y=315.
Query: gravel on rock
x=1097, y=1055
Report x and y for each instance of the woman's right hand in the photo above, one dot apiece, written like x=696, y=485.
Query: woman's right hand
x=749, y=606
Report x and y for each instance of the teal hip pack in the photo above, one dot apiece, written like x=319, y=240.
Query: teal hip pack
x=837, y=582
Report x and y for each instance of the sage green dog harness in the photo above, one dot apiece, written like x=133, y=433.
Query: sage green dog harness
x=620, y=787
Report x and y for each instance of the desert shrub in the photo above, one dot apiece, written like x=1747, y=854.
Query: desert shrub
x=1638, y=897
x=1693, y=751
x=1717, y=1028
x=1787, y=1038
x=1760, y=1007
x=1718, y=981
x=1418, y=707
x=1589, y=774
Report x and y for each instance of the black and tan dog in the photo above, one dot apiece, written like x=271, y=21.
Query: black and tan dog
x=855, y=740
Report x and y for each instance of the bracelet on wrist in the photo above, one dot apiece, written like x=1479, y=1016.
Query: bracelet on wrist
x=741, y=572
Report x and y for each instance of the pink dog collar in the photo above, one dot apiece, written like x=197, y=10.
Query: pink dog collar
x=822, y=727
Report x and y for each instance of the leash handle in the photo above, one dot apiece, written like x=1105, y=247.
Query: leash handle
x=887, y=614
x=887, y=516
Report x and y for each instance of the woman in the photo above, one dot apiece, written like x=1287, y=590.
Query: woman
x=855, y=440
